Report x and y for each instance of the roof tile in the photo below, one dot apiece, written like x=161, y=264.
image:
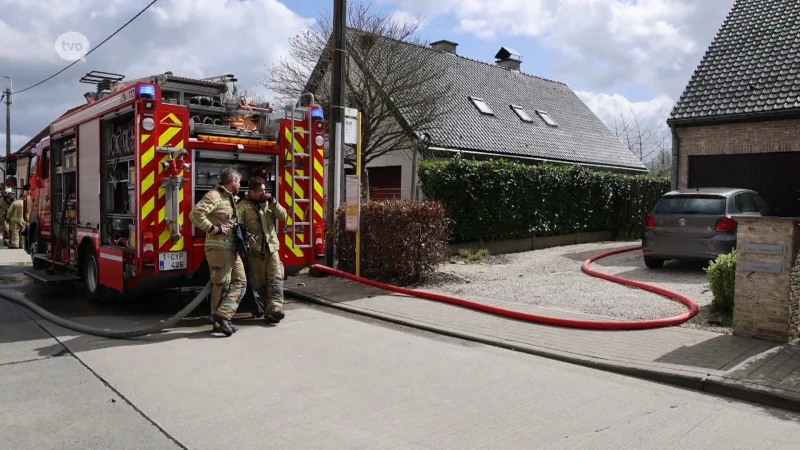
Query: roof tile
x=749, y=67
x=580, y=137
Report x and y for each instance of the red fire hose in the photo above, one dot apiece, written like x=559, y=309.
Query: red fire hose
x=557, y=321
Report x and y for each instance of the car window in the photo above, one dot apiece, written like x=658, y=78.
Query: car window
x=691, y=204
x=762, y=205
x=746, y=203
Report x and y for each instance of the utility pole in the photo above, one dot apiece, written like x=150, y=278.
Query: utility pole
x=335, y=153
x=414, y=169
x=7, y=95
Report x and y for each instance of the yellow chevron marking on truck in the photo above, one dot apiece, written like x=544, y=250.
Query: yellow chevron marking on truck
x=148, y=181
x=167, y=135
x=298, y=147
x=148, y=155
x=288, y=240
x=294, y=185
x=172, y=118
x=148, y=207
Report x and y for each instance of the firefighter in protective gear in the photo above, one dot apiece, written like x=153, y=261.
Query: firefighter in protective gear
x=5, y=203
x=16, y=220
x=215, y=214
x=259, y=211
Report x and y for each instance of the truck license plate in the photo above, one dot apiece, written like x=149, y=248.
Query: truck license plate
x=171, y=261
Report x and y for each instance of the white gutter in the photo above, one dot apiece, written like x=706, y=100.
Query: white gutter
x=530, y=158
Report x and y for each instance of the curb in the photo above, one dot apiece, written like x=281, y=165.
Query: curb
x=713, y=385
x=750, y=392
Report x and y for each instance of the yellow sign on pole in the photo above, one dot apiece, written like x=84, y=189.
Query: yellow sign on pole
x=352, y=203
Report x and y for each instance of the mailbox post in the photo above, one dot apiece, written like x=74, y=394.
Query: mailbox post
x=766, y=298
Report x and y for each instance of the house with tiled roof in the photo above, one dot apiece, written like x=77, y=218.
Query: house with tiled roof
x=496, y=110
x=737, y=123
x=22, y=158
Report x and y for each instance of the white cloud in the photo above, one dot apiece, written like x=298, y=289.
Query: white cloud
x=645, y=117
x=17, y=141
x=651, y=114
x=403, y=17
x=606, y=45
x=187, y=37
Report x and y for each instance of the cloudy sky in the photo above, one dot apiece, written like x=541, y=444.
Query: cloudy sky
x=618, y=55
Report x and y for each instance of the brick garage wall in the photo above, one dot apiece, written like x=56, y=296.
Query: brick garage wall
x=737, y=138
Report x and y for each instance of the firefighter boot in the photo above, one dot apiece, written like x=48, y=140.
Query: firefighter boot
x=274, y=316
x=223, y=325
x=212, y=319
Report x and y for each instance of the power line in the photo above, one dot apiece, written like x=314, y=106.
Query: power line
x=90, y=51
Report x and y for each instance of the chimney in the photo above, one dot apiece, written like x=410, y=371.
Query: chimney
x=445, y=46
x=508, y=58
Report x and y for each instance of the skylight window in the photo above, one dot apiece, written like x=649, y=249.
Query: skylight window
x=521, y=113
x=546, y=117
x=482, y=106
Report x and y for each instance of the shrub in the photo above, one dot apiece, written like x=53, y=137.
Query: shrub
x=401, y=241
x=499, y=199
x=721, y=281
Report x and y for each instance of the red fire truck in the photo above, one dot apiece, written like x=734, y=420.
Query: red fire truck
x=116, y=180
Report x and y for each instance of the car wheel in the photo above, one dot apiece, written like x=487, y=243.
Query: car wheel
x=653, y=263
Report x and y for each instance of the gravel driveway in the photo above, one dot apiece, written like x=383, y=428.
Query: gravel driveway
x=552, y=278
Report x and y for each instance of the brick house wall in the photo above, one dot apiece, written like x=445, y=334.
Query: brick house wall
x=735, y=138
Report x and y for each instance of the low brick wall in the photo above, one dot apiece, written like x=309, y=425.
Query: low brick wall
x=767, y=278
x=534, y=243
x=794, y=302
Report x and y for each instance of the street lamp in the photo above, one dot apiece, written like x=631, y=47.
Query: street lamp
x=422, y=139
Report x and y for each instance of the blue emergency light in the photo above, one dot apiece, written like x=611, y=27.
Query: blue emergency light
x=317, y=113
x=146, y=91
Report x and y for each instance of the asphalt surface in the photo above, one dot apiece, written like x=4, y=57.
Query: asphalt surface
x=324, y=379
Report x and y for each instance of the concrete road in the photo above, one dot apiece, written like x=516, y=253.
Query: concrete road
x=327, y=380
x=50, y=400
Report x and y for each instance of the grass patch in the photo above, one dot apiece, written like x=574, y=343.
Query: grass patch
x=471, y=256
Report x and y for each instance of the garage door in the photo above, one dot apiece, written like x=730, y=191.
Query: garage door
x=776, y=176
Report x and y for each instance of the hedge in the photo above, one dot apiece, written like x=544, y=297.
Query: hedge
x=401, y=241
x=500, y=199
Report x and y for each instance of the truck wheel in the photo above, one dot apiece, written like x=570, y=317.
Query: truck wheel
x=90, y=274
x=34, y=243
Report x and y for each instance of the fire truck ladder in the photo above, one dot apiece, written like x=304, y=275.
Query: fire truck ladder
x=304, y=226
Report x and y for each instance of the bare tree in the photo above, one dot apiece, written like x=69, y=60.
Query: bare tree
x=651, y=145
x=660, y=164
x=393, y=84
x=235, y=95
x=629, y=131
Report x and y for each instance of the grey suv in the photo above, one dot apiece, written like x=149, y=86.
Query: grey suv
x=696, y=224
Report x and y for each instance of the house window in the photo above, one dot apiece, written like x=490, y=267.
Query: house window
x=521, y=113
x=546, y=117
x=482, y=106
